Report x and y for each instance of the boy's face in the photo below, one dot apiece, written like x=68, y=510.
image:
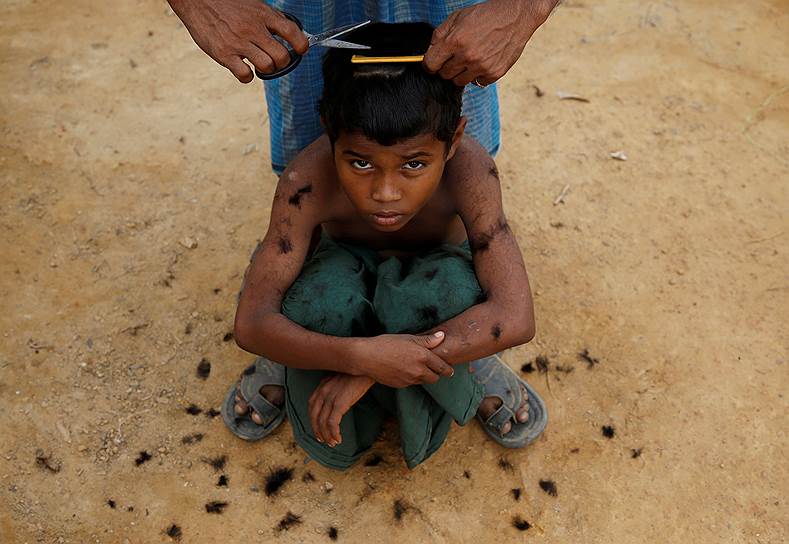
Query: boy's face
x=389, y=185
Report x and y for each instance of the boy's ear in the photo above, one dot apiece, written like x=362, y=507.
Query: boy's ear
x=461, y=128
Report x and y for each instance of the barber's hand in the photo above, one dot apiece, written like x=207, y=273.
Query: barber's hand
x=331, y=400
x=232, y=30
x=400, y=360
x=480, y=43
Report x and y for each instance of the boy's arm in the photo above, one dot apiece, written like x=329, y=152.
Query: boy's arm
x=260, y=327
x=506, y=318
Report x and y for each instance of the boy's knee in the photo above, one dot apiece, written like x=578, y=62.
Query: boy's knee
x=329, y=304
x=432, y=291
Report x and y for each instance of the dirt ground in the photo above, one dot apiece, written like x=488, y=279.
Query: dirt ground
x=135, y=183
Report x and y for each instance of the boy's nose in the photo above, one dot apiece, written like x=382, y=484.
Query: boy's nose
x=385, y=191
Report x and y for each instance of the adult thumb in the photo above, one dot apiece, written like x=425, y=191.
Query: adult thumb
x=430, y=341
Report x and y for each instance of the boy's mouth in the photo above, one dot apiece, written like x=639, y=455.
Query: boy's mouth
x=387, y=218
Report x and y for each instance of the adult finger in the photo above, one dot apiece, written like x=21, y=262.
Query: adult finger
x=238, y=68
x=451, y=70
x=260, y=60
x=467, y=77
x=490, y=76
x=436, y=58
x=289, y=31
x=275, y=50
x=440, y=50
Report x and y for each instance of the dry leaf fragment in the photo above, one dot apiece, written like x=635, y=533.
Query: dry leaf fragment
x=560, y=199
x=571, y=96
x=63, y=431
x=36, y=345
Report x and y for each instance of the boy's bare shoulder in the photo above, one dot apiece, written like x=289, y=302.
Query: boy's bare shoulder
x=309, y=179
x=471, y=173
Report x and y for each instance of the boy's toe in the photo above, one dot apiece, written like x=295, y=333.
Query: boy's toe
x=239, y=398
x=273, y=393
x=523, y=412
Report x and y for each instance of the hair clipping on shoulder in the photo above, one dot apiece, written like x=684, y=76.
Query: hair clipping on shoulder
x=361, y=59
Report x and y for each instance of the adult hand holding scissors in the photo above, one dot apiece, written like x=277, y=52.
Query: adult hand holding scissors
x=480, y=43
x=232, y=30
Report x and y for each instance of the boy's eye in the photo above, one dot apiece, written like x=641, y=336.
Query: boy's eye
x=361, y=164
x=414, y=165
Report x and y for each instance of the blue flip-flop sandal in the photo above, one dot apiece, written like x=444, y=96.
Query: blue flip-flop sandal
x=261, y=372
x=500, y=381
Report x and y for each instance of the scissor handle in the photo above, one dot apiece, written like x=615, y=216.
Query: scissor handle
x=295, y=58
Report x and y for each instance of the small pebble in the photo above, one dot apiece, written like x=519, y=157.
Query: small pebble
x=188, y=242
x=618, y=155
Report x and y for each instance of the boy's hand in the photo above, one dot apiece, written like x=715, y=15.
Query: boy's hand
x=400, y=360
x=232, y=30
x=331, y=400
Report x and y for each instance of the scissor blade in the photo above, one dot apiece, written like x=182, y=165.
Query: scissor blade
x=342, y=45
x=335, y=32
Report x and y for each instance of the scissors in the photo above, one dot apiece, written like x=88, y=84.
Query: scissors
x=325, y=39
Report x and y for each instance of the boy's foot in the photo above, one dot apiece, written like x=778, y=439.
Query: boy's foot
x=504, y=412
x=489, y=405
x=512, y=413
x=254, y=406
x=275, y=394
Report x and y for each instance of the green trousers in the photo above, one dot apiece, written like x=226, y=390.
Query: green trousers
x=347, y=290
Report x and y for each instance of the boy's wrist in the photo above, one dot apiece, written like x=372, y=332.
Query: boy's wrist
x=357, y=361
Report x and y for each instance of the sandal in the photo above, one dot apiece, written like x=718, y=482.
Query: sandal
x=261, y=372
x=500, y=381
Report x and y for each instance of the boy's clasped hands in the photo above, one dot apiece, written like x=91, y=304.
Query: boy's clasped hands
x=396, y=360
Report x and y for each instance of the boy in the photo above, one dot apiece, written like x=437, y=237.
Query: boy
x=364, y=288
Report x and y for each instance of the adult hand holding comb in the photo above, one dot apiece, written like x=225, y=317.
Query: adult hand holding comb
x=480, y=43
x=230, y=31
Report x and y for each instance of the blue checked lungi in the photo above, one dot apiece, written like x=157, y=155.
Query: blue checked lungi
x=293, y=99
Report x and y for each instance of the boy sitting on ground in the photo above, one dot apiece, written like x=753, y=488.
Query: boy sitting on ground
x=389, y=278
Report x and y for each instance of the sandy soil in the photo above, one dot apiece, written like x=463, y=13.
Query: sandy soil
x=135, y=184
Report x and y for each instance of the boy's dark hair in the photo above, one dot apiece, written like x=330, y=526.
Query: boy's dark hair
x=387, y=102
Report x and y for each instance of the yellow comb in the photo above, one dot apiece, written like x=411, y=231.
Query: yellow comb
x=361, y=59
